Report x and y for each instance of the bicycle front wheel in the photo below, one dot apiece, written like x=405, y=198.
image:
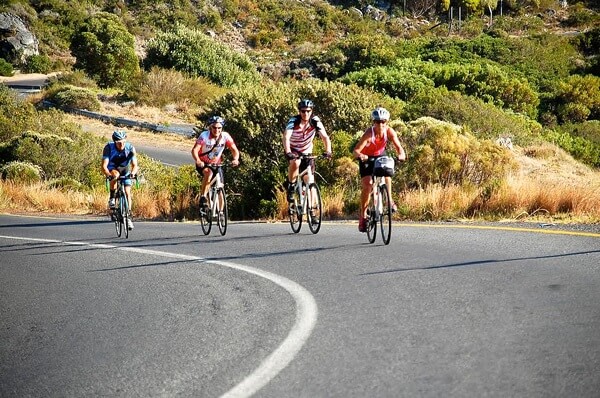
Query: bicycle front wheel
x=117, y=216
x=205, y=218
x=222, y=211
x=124, y=209
x=313, y=202
x=385, y=216
x=372, y=221
x=295, y=212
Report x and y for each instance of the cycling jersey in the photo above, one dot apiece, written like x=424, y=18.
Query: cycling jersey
x=118, y=159
x=375, y=147
x=211, y=151
x=301, y=139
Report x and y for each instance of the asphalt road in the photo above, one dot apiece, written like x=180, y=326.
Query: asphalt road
x=441, y=311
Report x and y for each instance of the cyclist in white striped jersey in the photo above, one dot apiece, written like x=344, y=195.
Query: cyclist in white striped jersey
x=298, y=137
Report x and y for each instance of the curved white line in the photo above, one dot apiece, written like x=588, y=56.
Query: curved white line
x=306, y=316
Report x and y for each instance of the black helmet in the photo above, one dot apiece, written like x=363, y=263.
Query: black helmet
x=305, y=103
x=119, y=135
x=216, y=119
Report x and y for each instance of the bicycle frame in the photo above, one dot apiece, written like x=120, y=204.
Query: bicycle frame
x=216, y=203
x=379, y=210
x=121, y=211
x=307, y=201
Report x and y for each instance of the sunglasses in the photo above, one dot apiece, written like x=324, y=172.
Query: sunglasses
x=381, y=121
x=305, y=110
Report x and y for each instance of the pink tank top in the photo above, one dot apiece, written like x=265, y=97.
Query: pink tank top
x=374, y=147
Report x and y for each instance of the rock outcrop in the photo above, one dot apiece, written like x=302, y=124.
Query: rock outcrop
x=17, y=43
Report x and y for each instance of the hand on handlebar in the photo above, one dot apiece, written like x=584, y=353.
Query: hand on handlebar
x=327, y=155
x=291, y=156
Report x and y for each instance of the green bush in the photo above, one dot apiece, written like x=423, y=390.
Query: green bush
x=193, y=52
x=409, y=77
x=580, y=148
x=22, y=172
x=15, y=115
x=6, y=68
x=482, y=119
x=445, y=154
x=104, y=49
x=38, y=64
x=58, y=156
x=578, y=98
x=74, y=97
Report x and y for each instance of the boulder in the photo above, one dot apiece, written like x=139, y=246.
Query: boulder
x=17, y=43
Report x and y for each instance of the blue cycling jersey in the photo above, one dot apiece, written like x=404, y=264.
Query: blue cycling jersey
x=116, y=158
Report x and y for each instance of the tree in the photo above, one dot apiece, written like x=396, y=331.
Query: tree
x=104, y=49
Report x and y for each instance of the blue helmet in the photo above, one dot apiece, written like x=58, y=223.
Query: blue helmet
x=216, y=119
x=119, y=135
x=305, y=103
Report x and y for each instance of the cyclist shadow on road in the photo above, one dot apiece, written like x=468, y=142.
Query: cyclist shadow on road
x=478, y=262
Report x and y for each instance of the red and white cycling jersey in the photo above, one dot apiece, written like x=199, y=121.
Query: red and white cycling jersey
x=212, y=149
x=301, y=139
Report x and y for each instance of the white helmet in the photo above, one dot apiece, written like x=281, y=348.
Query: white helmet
x=380, y=113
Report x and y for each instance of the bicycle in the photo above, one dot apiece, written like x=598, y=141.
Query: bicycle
x=121, y=213
x=302, y=197
x=380, y=204
x=216, y=203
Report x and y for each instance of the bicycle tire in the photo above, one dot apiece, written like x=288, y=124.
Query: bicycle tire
x=295, y=212
x=314, y=215
x=205, y=219
x=385, y=218
x=117, y=215
x=372, y=221
x=222, y=211
x=124, y=209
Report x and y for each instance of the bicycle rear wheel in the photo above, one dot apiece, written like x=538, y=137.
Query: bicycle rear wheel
x=314, y=205
x=385, y=219
x=371, y=223
x=222, y=211
x=205, y=218
x=295, y=212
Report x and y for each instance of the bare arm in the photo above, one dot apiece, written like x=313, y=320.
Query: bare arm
x=393, y=136
x=360, y=146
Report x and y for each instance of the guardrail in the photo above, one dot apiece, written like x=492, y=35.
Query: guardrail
x=182, y=129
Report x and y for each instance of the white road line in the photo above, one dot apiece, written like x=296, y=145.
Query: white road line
x=306, y=315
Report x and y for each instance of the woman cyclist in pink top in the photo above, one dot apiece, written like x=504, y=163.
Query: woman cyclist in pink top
x=371, y=145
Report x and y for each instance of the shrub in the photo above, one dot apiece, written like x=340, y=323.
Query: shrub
x=193, y=52
x=23, y=172
x=6, y=68
x=578, y=98
x=160, y=87
x=38, y=64
x=483, y=120
x=445, y=154
x=105, y=50
x=73, y=97
x=65, y=184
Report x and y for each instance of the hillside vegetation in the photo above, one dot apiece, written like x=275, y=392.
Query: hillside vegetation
x=474, y=99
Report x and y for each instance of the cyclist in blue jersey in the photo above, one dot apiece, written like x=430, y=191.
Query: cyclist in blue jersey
x=119, y=159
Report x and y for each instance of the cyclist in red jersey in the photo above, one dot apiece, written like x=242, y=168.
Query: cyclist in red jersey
x=298, y=139
x=371, y=145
